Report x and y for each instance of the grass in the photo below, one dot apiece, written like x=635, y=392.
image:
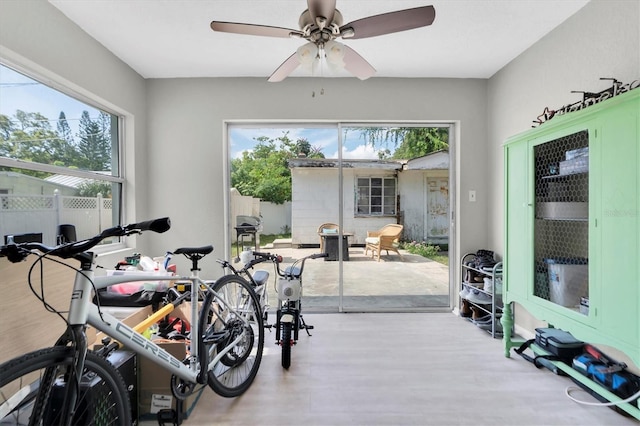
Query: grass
x=264, y=240
x=269, y=238
x=433, y=252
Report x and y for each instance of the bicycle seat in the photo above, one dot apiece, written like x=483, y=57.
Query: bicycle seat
x=261, y=276
x=204, y=250
x=292, y=271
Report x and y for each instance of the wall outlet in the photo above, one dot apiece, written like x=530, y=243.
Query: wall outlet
x=472, y=196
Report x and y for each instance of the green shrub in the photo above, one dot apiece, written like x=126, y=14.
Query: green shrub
x=422, y=248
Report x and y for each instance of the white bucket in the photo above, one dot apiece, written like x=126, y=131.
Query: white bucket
x=568, y=283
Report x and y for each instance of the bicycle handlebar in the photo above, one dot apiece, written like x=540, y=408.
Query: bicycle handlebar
x=318, y=255
x=18, y=252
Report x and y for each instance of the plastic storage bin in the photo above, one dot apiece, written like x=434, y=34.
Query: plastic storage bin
x=568, y=281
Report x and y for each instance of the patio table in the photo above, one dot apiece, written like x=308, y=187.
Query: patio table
x=331, y=246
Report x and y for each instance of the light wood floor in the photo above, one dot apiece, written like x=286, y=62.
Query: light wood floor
x=400, y=369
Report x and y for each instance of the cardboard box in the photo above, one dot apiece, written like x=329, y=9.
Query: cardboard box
x=154, y=382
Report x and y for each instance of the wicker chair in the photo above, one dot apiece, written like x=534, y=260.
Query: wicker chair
x=387, y=238
x=333, y=229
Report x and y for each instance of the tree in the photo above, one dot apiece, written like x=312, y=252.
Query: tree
x=410, y=142
x=64, y=151
x=93, y=188
x=422, y=141
x=94, y=146
x=28, y=137
x=263, y=173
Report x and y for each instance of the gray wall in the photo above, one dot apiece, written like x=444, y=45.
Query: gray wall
x=186, y=133
x=600, y=40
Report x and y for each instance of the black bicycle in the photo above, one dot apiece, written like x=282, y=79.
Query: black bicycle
x=288, y=287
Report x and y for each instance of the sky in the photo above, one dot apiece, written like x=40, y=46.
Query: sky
x=18, y=92
x=354, y=147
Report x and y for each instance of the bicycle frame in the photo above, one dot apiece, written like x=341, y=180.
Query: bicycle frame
x=83, y=311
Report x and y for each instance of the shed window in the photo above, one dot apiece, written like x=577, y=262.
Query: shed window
x=376, y=196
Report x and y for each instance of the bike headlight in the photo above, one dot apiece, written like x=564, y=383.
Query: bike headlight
x=289, y=289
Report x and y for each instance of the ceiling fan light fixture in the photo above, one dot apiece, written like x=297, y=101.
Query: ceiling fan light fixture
x=307, y=55
x=334, y=53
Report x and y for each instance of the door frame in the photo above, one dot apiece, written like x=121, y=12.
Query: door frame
x=453, y=127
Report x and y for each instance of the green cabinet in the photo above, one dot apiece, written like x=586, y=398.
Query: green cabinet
x=572, y=223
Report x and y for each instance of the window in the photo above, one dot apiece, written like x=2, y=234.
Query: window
x=376, y=196
x=59, y=161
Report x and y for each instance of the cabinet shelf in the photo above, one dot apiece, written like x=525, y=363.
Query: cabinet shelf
x=562, y=210
x=565, y=176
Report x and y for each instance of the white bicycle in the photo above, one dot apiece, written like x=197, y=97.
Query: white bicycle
x=57, y=385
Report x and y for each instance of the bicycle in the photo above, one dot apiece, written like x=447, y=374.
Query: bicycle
x=52, y=385
x=289, y=319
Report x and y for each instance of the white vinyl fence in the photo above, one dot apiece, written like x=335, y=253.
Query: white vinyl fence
x=24, y=214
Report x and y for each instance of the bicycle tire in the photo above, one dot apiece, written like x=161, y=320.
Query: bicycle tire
x=286, y=344
x=235, y=372
x=102, y=398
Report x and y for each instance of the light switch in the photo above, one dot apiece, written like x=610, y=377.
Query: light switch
x=472, y=196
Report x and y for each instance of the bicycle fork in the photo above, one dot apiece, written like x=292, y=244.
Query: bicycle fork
x=75, y=335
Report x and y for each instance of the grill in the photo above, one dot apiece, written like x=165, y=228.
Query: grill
x=247, y=227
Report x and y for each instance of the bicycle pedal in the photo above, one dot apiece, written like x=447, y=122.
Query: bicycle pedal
x=215, y=337
x=167, y=417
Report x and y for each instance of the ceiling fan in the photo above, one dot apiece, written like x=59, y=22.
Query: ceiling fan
x=321, y=24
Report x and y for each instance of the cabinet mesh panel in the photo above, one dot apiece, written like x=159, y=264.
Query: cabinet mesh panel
x=561, y=237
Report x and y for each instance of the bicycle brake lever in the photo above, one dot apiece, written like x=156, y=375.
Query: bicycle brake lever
x=16, y=254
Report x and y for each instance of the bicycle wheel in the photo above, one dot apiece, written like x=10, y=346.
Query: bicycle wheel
x=32, y=390
x=286, y=344
x=232, y=312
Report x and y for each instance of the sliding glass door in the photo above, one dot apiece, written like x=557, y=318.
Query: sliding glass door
x=374, y=198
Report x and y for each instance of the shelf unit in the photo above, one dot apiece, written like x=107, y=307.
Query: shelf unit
x=487, y=301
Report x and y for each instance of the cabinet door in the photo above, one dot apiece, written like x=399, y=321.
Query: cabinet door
x=517, y=254
x=617, y=223
x=561, y=226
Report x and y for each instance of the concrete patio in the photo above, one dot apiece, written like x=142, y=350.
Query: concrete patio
x=393, y=284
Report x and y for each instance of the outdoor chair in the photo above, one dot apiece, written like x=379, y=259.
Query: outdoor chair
x=326, y=228
x=387, y=238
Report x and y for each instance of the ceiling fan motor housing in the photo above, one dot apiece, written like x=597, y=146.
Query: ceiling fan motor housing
x=317, y=31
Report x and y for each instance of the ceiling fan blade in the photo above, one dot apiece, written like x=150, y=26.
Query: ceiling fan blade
x=286, y=68
x=251, y=29
x=391, y=22
x=356, y=64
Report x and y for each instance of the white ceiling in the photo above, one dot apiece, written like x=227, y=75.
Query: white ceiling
x=172, y=38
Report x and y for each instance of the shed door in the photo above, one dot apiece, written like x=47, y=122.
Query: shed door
x=437, y=227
